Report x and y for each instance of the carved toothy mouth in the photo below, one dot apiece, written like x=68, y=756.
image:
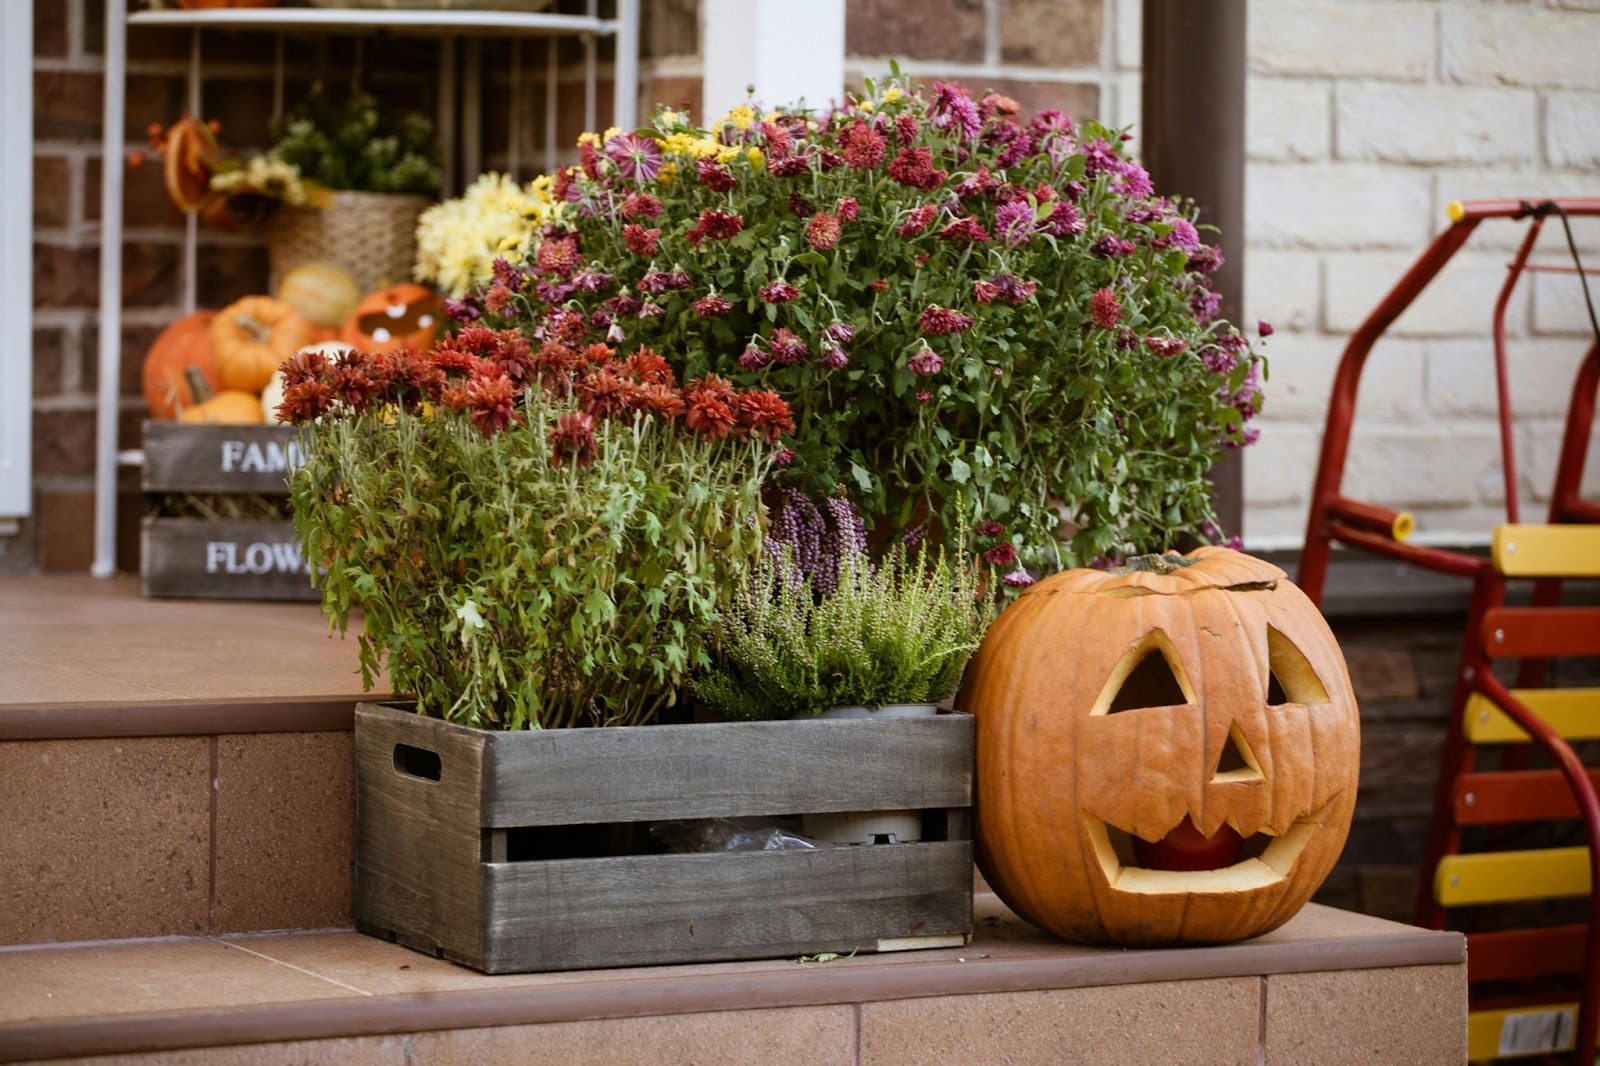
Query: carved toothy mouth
x=1268, y=859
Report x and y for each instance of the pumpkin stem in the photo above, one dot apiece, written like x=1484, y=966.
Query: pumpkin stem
x=199, y=387
x=259, y=331
x=1153, y=564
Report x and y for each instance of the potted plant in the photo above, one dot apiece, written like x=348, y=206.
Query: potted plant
x=974, y=314
x=820, y=630
x=540, y=539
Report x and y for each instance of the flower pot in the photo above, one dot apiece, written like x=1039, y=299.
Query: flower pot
x=510, y=851
x=870, y=827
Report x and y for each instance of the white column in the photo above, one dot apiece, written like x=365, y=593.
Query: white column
x=790, y=51
x=16, y=260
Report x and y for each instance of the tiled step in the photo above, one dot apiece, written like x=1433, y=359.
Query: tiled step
x=170, y=768
x=1328, y=987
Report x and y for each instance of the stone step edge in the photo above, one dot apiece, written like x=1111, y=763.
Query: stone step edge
x=180, y=718
x=892, y=978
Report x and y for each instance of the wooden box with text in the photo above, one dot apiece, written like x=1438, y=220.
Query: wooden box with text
x=221, y=558
x=540, y=850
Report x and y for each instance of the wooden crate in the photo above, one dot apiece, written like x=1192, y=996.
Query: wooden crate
x=199, y=558
x=451, y=859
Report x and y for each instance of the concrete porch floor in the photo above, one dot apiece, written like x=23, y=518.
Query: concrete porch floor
x=176, y=780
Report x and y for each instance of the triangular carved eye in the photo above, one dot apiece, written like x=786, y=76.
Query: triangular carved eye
x=1292, y=677
x=1149, y=675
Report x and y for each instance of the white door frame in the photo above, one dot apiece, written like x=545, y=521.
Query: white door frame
x=16, y=259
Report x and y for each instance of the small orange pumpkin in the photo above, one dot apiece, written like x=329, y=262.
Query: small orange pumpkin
x=322, y=292
x=250, y=338
x=1166, y=753
x=402, y=316
x=228, y=407
x=184, y=344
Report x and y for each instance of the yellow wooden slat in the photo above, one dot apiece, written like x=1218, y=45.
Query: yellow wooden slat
x=1503, y=876
x=1556, y=1023
x=1572, y=712
x=1547, y=551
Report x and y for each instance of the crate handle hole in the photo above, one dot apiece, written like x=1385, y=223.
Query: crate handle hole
x=417, y=762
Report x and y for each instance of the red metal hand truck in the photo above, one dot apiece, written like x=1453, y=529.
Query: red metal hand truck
x=1532, y=990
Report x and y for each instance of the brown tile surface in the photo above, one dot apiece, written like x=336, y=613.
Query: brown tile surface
x=347, y=1051
x=71, y=638
x=104, y=838
x=1410, y=1014
x=1210, y=1022
x=110, y=979
x=817, y=1036
x=285, y=831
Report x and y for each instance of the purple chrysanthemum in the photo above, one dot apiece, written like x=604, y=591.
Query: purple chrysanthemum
x=638, y=158
x=1014, y=221
x=925, y=362
x=953, y=109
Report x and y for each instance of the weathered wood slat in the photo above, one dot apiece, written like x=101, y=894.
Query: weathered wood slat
x=642, y=910
x=433, y=813
x=237, y=460
x=570, y=776
x=196, y=558
x=417, y=846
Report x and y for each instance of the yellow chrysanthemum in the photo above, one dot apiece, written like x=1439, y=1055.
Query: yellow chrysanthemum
x=670, y=117
x=728, y=153
x=892, y=93
x=757, y=157
x=459, y=240
x=611, y=131
x=669, y=173
x=865, y=105
x=589, y=138
x=743, y=117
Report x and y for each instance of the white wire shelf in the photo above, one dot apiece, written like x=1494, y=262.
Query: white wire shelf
x=357, y=20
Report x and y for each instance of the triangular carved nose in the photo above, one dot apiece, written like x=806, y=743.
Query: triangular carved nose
x=1237, y=762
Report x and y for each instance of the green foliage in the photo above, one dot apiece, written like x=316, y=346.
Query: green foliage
x=353, y=144
x=897, y=632
x=506, y=590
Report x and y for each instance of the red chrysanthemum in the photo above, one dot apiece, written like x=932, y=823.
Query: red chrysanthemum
x=1166, y=347
x=1105, y=309
x=303, y=366
x=779, y=141
x=787, y=347
x=720, y=225
x=602, y=393
x=641, y=241
x=778, y=292
x=765, y=414
x=649, y=367
x=984, y=291
x=710, y=401
x=919, y=219
x=715, y=176
x=964, y=229
x=305, y=402
x=493, y=404
x=862, y=146
x=412, y=377
x=1002, y=554
x=560, y=256
x=710, y=306
x=822, y=230
x=640, y=205
x=914, y=167
x=572, y=440
x=848, y=209
x=939, y=321
x=663, y=401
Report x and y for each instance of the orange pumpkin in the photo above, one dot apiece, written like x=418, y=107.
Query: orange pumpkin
x=228, y=407
x=1165, y=755
x=402, y=316
x=250, y=338
x=184, y=344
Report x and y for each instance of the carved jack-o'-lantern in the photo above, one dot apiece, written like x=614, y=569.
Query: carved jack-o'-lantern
x=1166, y=753
x=404, y=316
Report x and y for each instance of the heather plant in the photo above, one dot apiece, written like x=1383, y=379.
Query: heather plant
x=820, y=625
x=976, y=316
x=535, y=539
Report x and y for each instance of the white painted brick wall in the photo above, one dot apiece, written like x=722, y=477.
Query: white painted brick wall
x=1341, y=38
x=1434, y=123
x=1509, y=44
x=1458, y=303
x=1424, y=468
x=1461, y=378
x=1558, y=305
x=1327, y=205
x=1572, y=129
x=1284, y=288
x=1286, y=120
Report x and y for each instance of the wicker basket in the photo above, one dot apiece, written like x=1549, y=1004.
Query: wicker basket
x=370, y=235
